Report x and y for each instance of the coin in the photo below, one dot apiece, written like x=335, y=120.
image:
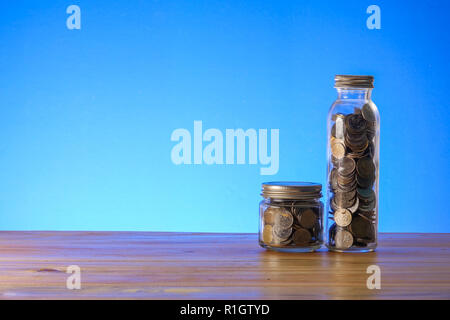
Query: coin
x=301, y=236
x=358, y=154
x=362, y=228
x=365, y=167
x=343, y=239
x=368, y=113
x=333, y=204
x=267, y=234
x=345, y=179
x=333, y=179
x=342, y=217
x=367, y=194
x=282, y=233
x=307, y=218
x=280, y=242
x=269, y=215
x=283, y=219
x=346, y=166
x=336, y=116
x=365, y=182
x=371, y=130
x=344, y=199
x=361, y=242
x=367, y=214
x=358, y=146
x=347, y=182
x=334, y=160
x=355, y=206
x=355, y=138
x=357, y=143
x=295, y=211
x=346, y=187
x=355, y=123
x=284, y=243
x=367, y=206
x=348, y=195
x=338, y=149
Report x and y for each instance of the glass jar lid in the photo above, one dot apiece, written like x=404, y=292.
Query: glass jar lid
x=292, y=190
x=349, y=81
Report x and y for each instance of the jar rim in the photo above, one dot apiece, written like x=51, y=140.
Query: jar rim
x=353, y=81
x=291, y=190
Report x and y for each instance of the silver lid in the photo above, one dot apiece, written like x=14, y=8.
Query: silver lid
x=292, y=190
x=349, y=81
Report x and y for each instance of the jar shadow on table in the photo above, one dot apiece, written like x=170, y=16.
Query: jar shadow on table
x=321, y=274
x=348, y=275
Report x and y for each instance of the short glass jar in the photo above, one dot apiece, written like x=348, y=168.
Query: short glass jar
x=291, y=216
x=353, y=167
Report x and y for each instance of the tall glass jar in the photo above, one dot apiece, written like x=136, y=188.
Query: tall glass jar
x=353, y=167
x=291, y=216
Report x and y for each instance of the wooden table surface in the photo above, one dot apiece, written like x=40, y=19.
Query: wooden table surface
x=155, y=265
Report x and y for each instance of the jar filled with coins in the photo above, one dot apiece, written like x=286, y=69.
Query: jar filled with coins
x=291, y=216
x=353, y=163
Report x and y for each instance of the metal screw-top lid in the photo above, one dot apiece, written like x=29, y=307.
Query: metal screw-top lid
x=292, y=190
x=349, y=81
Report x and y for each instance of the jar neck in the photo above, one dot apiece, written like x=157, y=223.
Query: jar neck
x=354, y=93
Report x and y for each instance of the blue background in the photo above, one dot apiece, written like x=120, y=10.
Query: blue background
x=86, y=115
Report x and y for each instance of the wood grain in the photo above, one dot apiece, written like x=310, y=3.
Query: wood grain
x=155, y=265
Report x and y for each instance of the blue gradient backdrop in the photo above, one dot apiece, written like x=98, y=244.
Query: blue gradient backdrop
x=86, y=115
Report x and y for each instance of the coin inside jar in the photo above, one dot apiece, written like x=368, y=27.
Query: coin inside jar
x=367, y=206
x=354, y=207
x=366, y=194
x=355, y=123
x=342, y=217
x=343, y=239
x=269, y=215
x=365, y=182
x=267, y=234
x=346, y=166
x=344, y=199
x=281, y=233
x=365, y=167
x=348, y=195
x=333, y=178
x=367, y=113
x=301, y=236
x=362, y=228
x=283, y=218
x=346, y=187
x=307, y=218
x=338, y=149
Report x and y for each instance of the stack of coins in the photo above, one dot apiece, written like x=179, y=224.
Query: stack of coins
x=291, y=224
x=352, y=176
